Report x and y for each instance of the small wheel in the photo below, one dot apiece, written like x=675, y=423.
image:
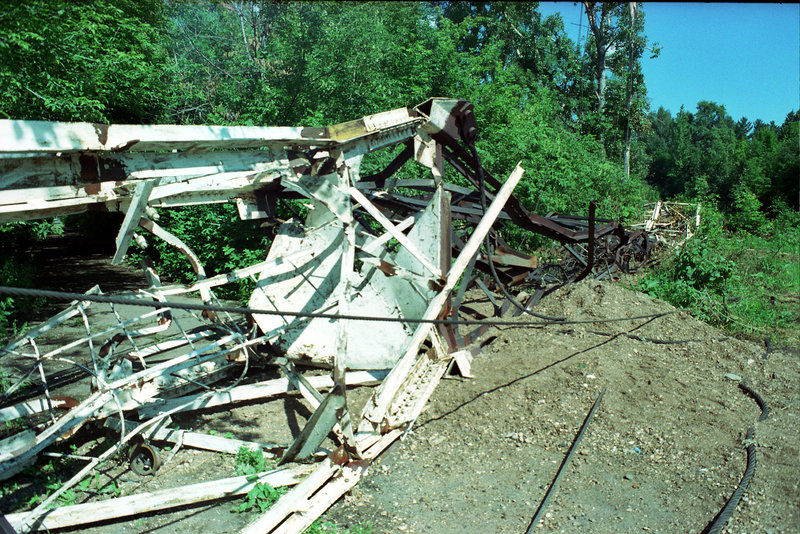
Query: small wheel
x=145, y=460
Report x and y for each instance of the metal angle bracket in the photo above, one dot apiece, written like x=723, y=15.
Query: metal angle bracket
x=132, y=216
x=318, y=427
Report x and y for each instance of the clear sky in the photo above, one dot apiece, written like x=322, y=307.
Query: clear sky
x=743, y=56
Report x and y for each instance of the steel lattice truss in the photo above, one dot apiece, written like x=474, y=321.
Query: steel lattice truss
x=371, y=245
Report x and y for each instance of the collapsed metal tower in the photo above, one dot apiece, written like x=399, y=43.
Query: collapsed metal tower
x=370, y=247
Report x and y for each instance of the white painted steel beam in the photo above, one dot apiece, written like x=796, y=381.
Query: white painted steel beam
x=81, y=514
x=376, y=408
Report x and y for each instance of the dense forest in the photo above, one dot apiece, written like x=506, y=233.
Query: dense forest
x=577, y=116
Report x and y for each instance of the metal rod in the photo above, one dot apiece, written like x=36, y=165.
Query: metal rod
x=554, y=484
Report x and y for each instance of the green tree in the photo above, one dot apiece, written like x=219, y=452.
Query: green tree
x=99, y=61
x=751, y=167
x=306, y=63
x=784, y=165
x=614, y=48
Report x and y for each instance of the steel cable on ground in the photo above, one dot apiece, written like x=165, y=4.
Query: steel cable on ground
x=108, y=299
x=716, y=524
x=640, y=338
x=715, y=527
x=552, y=489
x=758, y=398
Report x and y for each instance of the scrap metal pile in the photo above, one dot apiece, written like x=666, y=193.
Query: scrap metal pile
x=374, y=253
x=671, y=223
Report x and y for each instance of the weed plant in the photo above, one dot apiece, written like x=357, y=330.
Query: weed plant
x=747, y=284
x=250, y=462
x=261, y=497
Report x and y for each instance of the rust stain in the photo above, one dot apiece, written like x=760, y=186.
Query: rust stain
x=387, y=268
x=102, y=132
x=106, y=348
x=92, y=189
x=61, y=401
x=127, y=146
x=339, y=456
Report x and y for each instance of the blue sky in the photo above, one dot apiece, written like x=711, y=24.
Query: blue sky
x=743, y=56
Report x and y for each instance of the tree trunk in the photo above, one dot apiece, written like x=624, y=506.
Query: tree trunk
x=601, y=47
x=629, y=96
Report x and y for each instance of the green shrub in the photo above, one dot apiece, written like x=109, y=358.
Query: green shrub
x=694, y=277
x=700, y=266
x=746, y=214
x=216, y=235
x=745, y=283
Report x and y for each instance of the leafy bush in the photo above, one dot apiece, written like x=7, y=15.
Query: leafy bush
x=701, y=267
x=692, y=278
x=786, y=221
x=712, y=219
x=747, y=214
x=214, y=232
x=745, y=283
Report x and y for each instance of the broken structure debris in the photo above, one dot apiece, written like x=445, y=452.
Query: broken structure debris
x=373, y=246
x=671, y=223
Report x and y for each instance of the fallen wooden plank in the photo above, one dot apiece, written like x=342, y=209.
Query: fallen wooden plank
x=290, y=502
x=81, y=514
x=322, y=500
x=304, y=504
x=260, y=390
x=207, y=442
x=25, y=409
x=198, y=440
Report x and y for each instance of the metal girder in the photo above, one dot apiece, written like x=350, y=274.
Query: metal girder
x=363, y=249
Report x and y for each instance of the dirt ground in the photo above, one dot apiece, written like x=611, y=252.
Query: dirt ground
x=663, y=453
